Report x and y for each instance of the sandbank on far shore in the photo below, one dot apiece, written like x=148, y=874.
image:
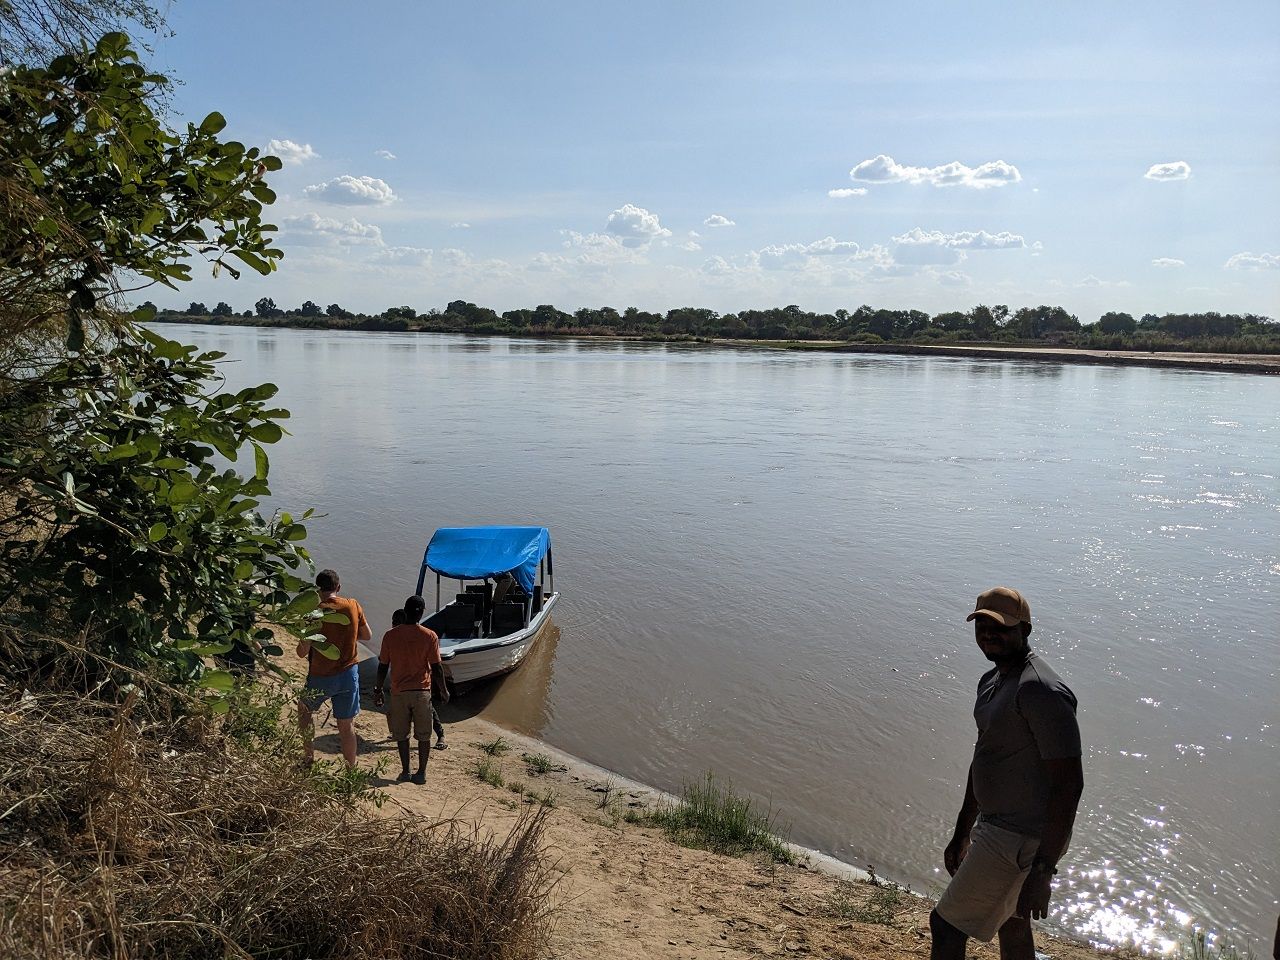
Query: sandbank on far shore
x=1261, y=363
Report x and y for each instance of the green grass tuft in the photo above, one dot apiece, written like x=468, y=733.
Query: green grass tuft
x=495, y=747
x=539, y=764
x=489, y=772
x=711, y=816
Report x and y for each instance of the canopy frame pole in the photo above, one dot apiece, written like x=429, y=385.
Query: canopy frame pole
x=437, y=593
x=542, y=574
x=551, y=570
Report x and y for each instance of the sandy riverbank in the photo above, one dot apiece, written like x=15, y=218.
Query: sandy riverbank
x=625, y=891
x=1219, y=362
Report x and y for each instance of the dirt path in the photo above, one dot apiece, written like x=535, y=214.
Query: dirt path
x=626, y=891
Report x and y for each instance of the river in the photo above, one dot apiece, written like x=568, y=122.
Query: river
x=766, y=559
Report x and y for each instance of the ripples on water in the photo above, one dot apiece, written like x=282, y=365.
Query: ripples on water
x=767, y=559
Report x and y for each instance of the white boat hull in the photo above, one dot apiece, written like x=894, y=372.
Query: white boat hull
x=478, y=659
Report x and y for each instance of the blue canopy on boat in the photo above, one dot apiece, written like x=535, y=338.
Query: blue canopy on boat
x=474, y=553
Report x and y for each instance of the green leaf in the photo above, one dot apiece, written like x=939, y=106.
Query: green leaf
x=243, y=570
x=158, y=532
x=220, y=679
x=336, y=617
x=122, y=451
x=182, y=490
x=261, y=465
x=323, y=646
x=151, y=219
x=303, y=603
x=266, y=433
x=212, y=649
x=34, y=172
x=213, y=124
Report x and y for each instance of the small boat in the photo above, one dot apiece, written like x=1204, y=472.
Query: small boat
x=506, y=590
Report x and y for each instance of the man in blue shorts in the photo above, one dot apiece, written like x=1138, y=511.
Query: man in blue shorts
x=1020, y=802
x=336, y=680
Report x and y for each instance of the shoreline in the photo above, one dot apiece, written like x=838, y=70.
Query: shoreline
x=626, y=890
x=1258, y=364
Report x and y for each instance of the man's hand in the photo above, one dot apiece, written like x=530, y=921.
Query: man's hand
x=1033, y=901
x=954, y=855
x=378, y=699
x=444, y=693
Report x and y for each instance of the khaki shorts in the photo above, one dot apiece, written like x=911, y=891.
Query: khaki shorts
x=984, y=892
x=412, y=708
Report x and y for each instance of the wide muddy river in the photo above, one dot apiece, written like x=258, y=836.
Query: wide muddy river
x=766, y=559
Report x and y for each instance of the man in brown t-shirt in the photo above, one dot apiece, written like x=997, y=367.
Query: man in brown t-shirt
x=334, y=679
x=411, y=653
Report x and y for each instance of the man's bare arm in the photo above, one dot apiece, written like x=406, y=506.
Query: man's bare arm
x=959, y=845
x=1066, y=784
x=380, y=684
x=438, y=681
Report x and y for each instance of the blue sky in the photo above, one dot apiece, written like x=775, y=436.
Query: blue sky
x=1100, y=156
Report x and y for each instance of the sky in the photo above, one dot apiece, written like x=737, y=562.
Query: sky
x=744, y=155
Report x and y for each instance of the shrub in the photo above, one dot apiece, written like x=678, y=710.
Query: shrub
x=173, y=841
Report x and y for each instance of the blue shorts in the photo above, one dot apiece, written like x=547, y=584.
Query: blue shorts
x=342, y=688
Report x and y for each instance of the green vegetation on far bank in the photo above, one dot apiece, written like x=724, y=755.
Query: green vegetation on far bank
x=1041, y=326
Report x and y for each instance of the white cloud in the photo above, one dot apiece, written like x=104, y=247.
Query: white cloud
x=715, y=220
x=635, y=226
x=963, y=240
x=1253, y=261
x=844, y=193
x=716, y=267
x=1168, y=262
x=405, y=256
x=951, y=278
x=884, y=169
x=342, y=232
x=352, y=191
x=384, y=154
x=459, y=225
x=1092, y=281
x=792, y=256
x=691, y=245
x=1177, y=170
x=291, y=152
x=934, y=248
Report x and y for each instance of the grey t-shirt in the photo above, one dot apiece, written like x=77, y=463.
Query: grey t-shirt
x=1023, y=718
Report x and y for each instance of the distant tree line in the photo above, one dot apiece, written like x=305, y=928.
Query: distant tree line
x=1041, y=326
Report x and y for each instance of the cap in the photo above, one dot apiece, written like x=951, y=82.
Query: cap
x=1004, y=605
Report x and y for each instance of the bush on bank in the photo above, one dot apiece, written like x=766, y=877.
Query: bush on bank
x=130, y=837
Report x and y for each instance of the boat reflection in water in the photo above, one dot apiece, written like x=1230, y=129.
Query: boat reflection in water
x=520, y=700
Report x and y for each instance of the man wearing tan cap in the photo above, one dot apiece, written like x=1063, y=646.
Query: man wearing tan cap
x=1020, y=802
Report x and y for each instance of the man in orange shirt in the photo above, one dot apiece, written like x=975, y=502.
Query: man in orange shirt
x=412, y=653
x=334, y=679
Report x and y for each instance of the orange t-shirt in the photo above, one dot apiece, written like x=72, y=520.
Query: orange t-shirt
x=341, y=635
x=410, y=650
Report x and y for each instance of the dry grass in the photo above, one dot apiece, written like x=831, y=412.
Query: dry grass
x=124, y=838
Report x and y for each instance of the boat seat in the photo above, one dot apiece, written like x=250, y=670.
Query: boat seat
x=457, y=620
x=507, y=618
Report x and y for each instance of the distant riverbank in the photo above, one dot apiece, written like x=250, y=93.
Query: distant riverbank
x=1219, y=362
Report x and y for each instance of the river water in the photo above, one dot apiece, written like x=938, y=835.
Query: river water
x=767, y=557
